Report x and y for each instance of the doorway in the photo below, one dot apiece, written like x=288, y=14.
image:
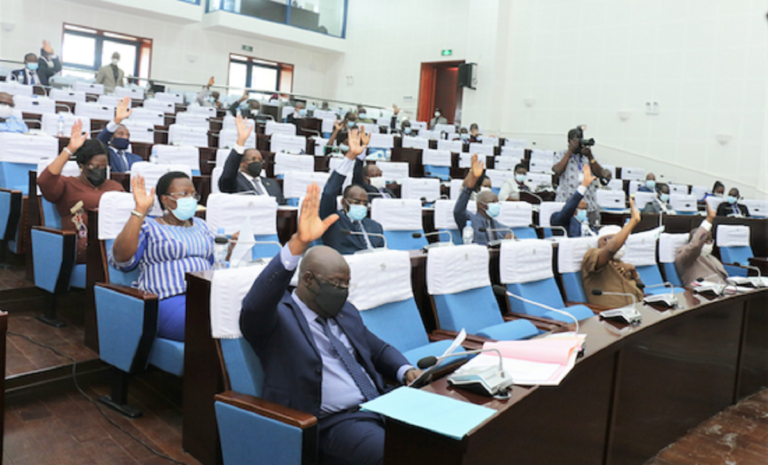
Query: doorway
x=439, y=88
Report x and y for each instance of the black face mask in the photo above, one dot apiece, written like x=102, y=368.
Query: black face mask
x=604, y=181
x=329, y=298
x=96, y=176
x=254, y=168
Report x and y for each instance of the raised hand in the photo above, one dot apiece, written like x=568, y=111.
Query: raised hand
x=76, y=138
x=310, y=227
x=356, y=143
x=477, y=166
x=395, y=109
x=245, y=96
x=635, y=213
x=338, y=126
x=243, y=130
x=122, y=111
x=210, y=82
x=711, y=213
x=143, y=200
x=365, y=138
x=588, y=177
x=47, y=47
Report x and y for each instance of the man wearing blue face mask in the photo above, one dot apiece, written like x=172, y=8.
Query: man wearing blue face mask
x=486, y=228
x=650, y=183
x=38, y=71
x=573, y=216
x=353, y=216
x=117, y=137
x=341, y=131
x=661, y=203
x=731, y=206
x=513, y=186
x=299, y=111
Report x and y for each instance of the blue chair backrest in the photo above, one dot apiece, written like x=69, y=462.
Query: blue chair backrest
x=397, y=323
x=51, y=217
x=5, y=211
x=671, y=272
x=525, y=233
x=496, y=190
x=265, y=250
x=455, y=235
x=739, y=255
x=47, y=258
x=439, y=171
x=404, y=240
x=117, y=310
x=544, y=291
x=573, y=287
x=243, y=367
x=472, y=310
x=650, y=274
x=124, y=278
x=16, y=176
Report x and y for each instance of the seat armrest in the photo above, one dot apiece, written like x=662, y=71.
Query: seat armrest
x=268, y=409
x=129, y=291
x=543, y=324
x=594, y=307
x=54, y=231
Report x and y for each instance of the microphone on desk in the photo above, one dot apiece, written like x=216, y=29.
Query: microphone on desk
x=599, y=292
x=347, y=232
x=664, y=284
x=417, y=235
x=749, y=267
x=498, y=289
x=628, y=315
x=722, y=290
x=491, y=381
x=482, y=230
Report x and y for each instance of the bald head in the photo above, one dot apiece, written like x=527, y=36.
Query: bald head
x=483, y=199
x=320, y=266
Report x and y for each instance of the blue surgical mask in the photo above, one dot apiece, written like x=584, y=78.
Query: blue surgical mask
x=185, y=208
x=357, y=212
x=211, y=99
x=650, y=184
x=362, y=115
x=493, y=209
x=731, y=199
x=303, y=112
x=664, y=197
x=407, y=130
x=521, y=178
x=581, y=215
x=464, y=136
x=32, y=66
x=344, y=148
x=351, y=124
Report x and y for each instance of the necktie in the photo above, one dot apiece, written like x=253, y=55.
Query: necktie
x=383, y=193
x=365, y=235
x=123, y=160
x=355, y=370
x=32, y=79
x=257, y=186
x=491, y=234
x=736, y=210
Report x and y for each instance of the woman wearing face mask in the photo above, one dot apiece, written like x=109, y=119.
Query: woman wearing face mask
x=341, y=130
x=75, y=196
x=438, y=119
x=165, y=248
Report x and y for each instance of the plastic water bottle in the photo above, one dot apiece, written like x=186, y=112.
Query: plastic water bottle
x=60, y=126
x=153, y=155
x=220, y=249
x=468, y=233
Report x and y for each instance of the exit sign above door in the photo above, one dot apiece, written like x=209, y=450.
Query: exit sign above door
x=248, y=48
x=447, y=52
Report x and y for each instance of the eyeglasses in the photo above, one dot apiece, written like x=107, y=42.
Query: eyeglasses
x=337, y=285
x=182, y=195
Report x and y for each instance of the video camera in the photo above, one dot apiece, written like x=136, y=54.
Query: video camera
x=586, y=142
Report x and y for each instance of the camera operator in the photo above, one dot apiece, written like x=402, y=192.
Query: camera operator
x=568, y=167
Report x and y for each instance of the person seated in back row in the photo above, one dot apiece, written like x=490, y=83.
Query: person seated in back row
x=513, y=186
x=488, y=208
x=8, y=122
x=694, y=260
x=731, y=206
x=369, y=178
x=118, y=138
x=366, y=233
x=661, y=203
x=573, y=216
x=244, y=168
x=650, y=183
x=603, y=269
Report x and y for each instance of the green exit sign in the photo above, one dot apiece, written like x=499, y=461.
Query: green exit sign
x=447, y=52
x=247, y=48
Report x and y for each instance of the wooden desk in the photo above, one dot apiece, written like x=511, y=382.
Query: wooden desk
x=636, y=391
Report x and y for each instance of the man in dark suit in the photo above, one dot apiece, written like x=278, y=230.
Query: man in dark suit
x=252, y=110
x=299, y=112
x=362, y=175
x=573, y=216
x=488, y=208
x=38, y=71
x=365, y=233
x=244, y=168
x=731, y=206
x=317, y=354
x=118, y=138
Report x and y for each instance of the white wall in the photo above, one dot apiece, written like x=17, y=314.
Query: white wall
x=172, y=42
x=704, y=61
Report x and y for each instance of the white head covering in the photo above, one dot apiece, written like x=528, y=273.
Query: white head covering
x=609, y=230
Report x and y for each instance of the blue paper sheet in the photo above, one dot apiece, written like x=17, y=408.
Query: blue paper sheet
x=443, y=415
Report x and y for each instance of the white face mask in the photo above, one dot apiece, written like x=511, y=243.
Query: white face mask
x=437, y=114
x=485, y=189
x=378, y=182
x=115, y=61
x=254, y=112
x=707, y=249
x=620, y=253
x=5, y=111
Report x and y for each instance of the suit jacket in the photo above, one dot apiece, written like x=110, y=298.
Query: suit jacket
x=691, y=265
x=565, y=216
x=106, y=76
x=233, y=181
x=273, y=324
x=345, y=244
x=246, y=113
x=656, y=206
x=725, y=209
x=358, y=179
x=46, y=69
x=462, y=215
x=115, y=163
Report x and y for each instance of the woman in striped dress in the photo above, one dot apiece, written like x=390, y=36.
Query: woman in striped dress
x=165, y=248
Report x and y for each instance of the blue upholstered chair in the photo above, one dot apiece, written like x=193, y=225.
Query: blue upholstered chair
x=437, y=164
x=295, y=185
x=668, y=245
x=54, y=256
x=444, y=220
x=611, y=201
x=127, y=317
x=458, y=281
x=381, y=289
x=641, y=252
x=10, y=216
x=546, y=209
x=733, y=241
x=229, y=212
x=519, y=217
x=570, y=254
x=525, y=267
x=400, y=219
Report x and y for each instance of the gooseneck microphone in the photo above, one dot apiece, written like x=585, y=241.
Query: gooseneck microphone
x=431, y=360
x=347, y=232
x=599, y=292
x=565, y=231
x=417, y=235
x=498, y=289
x=749, y=267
